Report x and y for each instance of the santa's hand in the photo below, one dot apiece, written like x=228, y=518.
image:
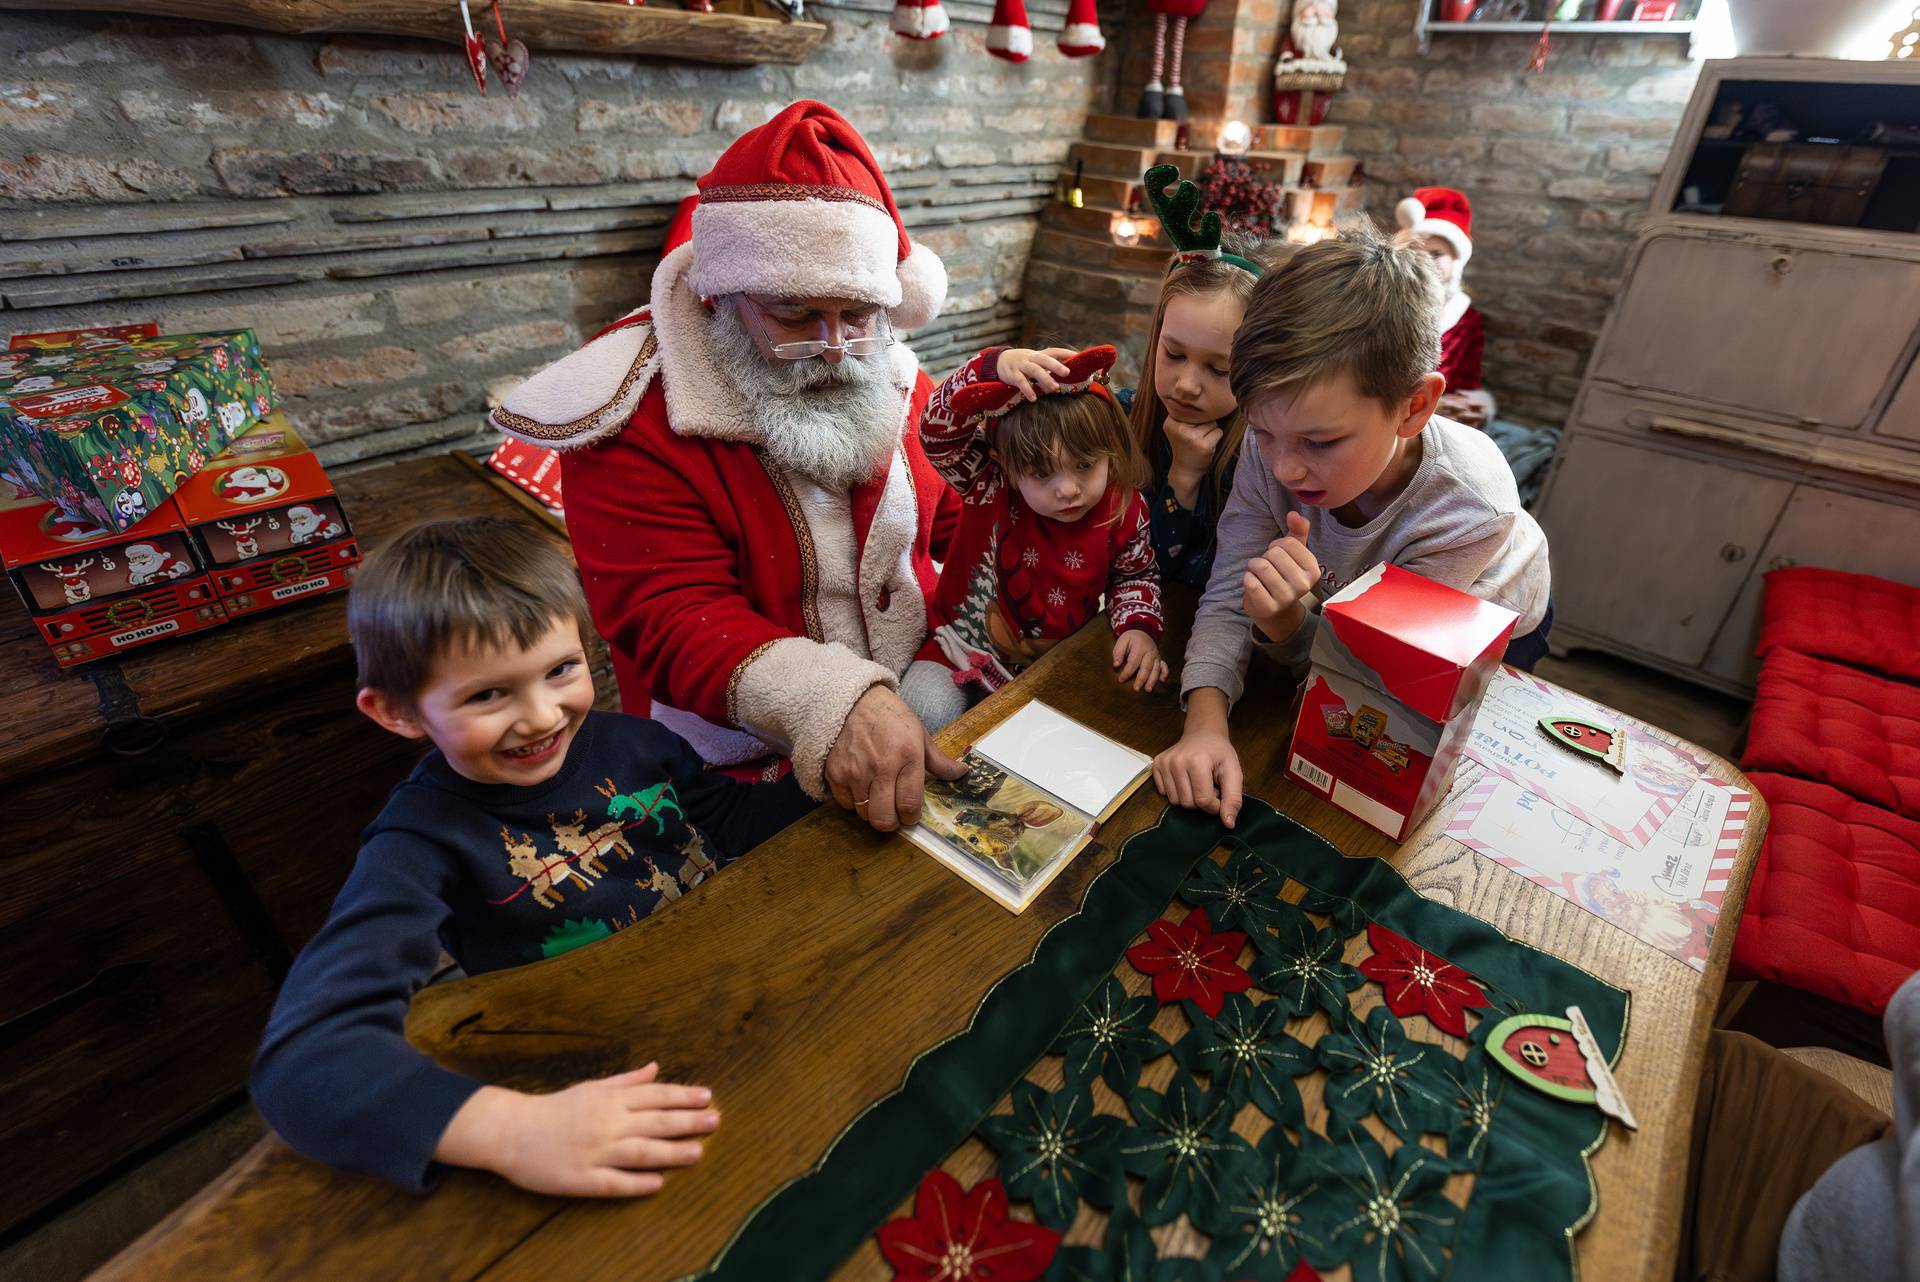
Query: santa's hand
x=1031, y=372
x=878, y=766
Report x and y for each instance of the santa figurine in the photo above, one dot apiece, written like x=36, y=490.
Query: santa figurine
x=1440, y=221
x=148, y=564
x=1310, y=68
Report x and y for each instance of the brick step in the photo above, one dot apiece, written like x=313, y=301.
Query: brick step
x=1314, y=140
x=1095, y=220
x=1327, y=171
x=1315, y=204
x=1105, y=160
x=1098, y=254
x=1283, y=167
x=1121, y=193
x=1133, y=131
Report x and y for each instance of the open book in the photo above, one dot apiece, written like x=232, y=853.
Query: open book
x=1037, y=787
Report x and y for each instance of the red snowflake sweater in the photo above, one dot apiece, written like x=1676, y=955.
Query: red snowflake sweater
x=1047, y=576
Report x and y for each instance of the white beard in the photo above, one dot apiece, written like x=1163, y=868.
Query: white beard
x=834, y=424
x=1315, y=37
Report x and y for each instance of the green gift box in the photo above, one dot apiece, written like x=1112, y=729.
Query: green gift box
x=110, y=434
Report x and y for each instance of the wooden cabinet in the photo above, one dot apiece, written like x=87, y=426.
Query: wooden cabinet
x=1753, y=402
x=1902, y=419
x=1750, y=323
x=1819, y=527
x=1642, y=526
x=177, y=823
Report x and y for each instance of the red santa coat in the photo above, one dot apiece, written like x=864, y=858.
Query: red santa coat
x=746, y=608
x=1462, y=340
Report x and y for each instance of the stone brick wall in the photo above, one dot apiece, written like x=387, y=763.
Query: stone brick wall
x=402, y=244
x=1559, y=166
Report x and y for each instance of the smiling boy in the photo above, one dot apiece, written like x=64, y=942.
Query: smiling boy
x=1345, y=466
x=535, y=825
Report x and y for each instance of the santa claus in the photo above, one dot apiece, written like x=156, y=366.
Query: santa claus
x=753, y=514
x=310, y=525
x=149, y=564
x=1440, y=220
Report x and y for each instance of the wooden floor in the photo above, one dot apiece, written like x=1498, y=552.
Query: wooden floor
x=71, y=1244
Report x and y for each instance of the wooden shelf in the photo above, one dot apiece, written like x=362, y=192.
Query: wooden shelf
x=658, y=30
x=1424, y=28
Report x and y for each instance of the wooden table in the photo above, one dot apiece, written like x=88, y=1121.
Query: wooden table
x=802, y=982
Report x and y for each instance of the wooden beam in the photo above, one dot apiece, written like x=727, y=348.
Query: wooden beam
x=589, y=26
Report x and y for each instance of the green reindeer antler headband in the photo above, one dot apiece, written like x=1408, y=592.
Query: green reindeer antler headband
x=1176, y=211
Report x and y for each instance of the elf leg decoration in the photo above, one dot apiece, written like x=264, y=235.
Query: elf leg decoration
x=1010, y=37
x=920, y=19
x=1176, y=103
x=1081, y=37
x=1153, y=98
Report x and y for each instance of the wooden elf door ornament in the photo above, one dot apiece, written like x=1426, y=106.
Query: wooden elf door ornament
x=1605, y=744
x=1559, y=1057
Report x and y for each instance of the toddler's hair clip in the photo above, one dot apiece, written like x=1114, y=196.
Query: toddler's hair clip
x=1176, y=212
x=989, y=398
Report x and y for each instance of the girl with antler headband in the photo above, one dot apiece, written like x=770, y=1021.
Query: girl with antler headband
x=1183, y=413
x=1051, y=516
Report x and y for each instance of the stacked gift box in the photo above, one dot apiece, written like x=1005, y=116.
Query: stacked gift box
x=154, y=489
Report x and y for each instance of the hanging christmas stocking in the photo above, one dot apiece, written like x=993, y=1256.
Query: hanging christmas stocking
x=1081, y=37
x=920, y=19
x=1010, y=37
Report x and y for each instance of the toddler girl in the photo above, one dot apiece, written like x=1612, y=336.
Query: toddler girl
x=1051, y=515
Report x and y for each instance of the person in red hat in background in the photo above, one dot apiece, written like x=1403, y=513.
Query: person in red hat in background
x=749, y=502
x=1440, y=220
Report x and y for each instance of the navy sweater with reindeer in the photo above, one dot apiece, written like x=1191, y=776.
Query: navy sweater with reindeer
x=497, y=876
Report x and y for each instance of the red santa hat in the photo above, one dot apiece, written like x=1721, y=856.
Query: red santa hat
x=799, y=208
x=1081, y=37
x=920, y=19
x=1010, y=35
x=1442, y=212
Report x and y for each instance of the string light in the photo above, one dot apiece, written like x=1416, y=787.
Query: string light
x=1235, y=137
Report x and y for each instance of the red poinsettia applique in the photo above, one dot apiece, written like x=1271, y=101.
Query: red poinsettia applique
x=1187, y=959
x=1417, y=982
x=957, y=1236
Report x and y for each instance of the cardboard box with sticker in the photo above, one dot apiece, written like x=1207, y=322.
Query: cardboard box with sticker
x=265, y=519
x=1399, y=665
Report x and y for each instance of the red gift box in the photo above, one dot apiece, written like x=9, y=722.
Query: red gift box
x=267, y=522
x=1399, y=665
x=534, y=468
x=95, y=592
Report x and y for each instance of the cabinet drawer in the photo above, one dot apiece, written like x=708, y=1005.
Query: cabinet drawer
x=1651, y=549
x=1830, y=530
x=1790, y=334
x=128, y=1009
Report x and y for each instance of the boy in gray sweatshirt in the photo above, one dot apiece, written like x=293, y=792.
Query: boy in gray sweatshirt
x=1345, y=465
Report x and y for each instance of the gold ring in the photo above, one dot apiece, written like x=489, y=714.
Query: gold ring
x=863, y=801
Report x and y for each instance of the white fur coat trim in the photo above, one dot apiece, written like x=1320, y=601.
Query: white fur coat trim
x=584, y=396
x=796, y=695
x=1453, y=309
x=702, y=399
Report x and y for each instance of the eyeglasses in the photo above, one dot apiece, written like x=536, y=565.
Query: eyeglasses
x=867, y=345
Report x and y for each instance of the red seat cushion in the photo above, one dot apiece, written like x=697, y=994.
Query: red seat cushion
x=1834, y=907
x=1852, y=618
x=1838, y=725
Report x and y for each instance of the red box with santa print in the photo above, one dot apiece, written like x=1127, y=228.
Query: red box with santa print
x=533, y=468
x=95, y=592
x=267, y=522
x=1399, y=665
